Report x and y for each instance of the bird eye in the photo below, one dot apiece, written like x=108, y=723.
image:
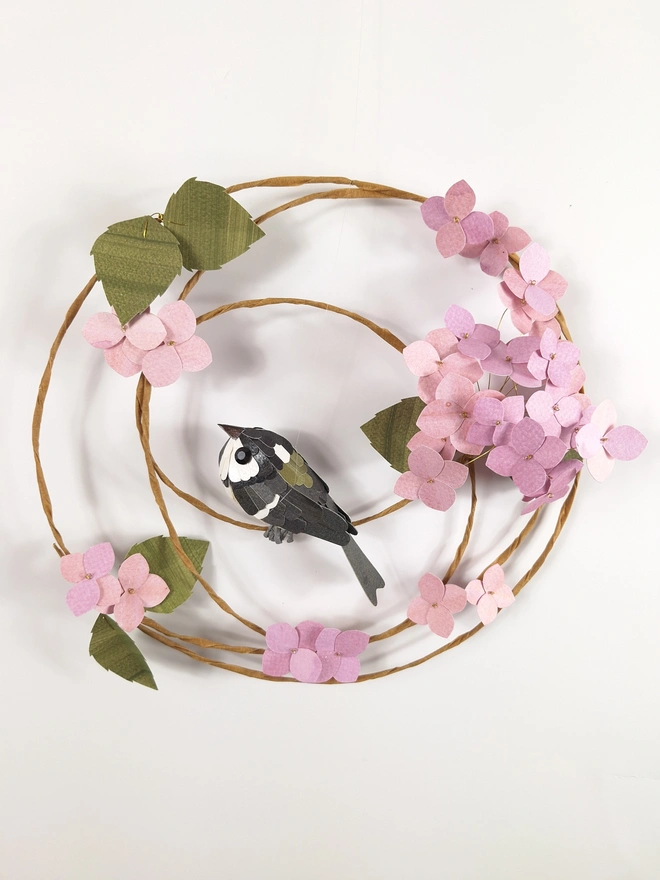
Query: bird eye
x=243, y=455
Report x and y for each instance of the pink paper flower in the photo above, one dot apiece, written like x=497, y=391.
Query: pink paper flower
x=450, y=414
x=431, y=479
x=440, y=444
x=455, y=221
x=313, y=653
x=601, y=444
x=535, y=283
x=436, y=605
x=474, y=340
x=555, y=361
x=435, y=357
x=490, y=594
x=557, y=485
x=554, y=411
x=495, y=253
x=494, y=420
x=135, y=589
x=161, y=346
x=511, y=359
x=524, y=317
x=88, y=572
x=528, y=457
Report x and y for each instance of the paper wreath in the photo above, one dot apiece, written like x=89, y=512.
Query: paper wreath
x=535, y=426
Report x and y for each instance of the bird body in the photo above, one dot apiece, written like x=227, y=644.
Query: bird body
x=271, y=481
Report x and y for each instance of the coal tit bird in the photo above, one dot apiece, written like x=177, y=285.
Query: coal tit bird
x=265, y=475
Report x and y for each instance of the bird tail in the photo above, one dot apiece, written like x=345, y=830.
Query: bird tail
x=370, y=580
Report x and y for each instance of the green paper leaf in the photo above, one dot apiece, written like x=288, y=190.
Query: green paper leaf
x=390, y=430
x=163, y=560
x=116, y=651
x=572, y=453
x=136, y=261
x=212, y=228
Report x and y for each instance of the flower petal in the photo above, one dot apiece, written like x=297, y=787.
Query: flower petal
x=349, y=669
x=604, y=417
x=493, y=577
x=99, y=559
x=504, y=596
x=308, y=632
x=514, y=283
x=133, y=572
x=305, y=665
x=587, y=441
x=455, y=388
x=109, y=591
x=153, y=591
x=437, y=495
x=421, y=358
x=440, y=418
x=325, y=641
x=480, y=435
x=195, y=354
x=568, y=411
x=534, y=263
x=473, y=348
x=454, y=474
x=433, y=212
x=103, y=330
x=146, y=331
x=329, y=665
x=407, y=486
x=478, y=227
x=275, y=664
x=351, y=642
x=418, y=610
x=422, y=439
x=600, y=465
x=549, y=344
x=431, y=588
x=459, y=321
x=425, y=463
x=282, y=638
x=514, y=239
x=494, y=258
x=427, y=385
x=527, y=436
x=500, y=223
x=529, y=476
x=132, y=353
x=539, y=406
x=72, y=568
x=440, y=621
x=488, y=410
x=129, y=611
x=474, y=592
x=450, y=239
x=625, y=443
x=455, y=598
x=537, y=366
x=162, y=366
x=83, y=597
x=487, y=609
x=460, y=200
x=540, y=300
x=555, y=284
x=443, y=341
x=117, y=360
x=502, y=460
x=179, y=321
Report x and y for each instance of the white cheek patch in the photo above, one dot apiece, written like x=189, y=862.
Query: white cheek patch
x=260, y=514
x=282, y=453
x=227, y=456
x=239, y=473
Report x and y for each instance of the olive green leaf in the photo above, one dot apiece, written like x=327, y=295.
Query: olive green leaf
x=163, y=560
x=390, y=430
x=212, y=228
x=136, y=261
x=572, y=453
x=116, y=651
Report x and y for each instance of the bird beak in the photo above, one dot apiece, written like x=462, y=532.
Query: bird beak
x=232, y=430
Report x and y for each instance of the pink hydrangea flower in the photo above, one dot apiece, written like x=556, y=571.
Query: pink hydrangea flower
x=440, y=444
x=524, y=317
x=313, y=653
x=474, y=340
x=557, y=485
x=89, y=573
x=527, y=457
x=535, y=283
x=431, y=478
x=555, y=361
x=455, y=221
x=435, y=357
x=494, y=253
x=554, y=411
x=135, y=589
x=161, y=346
x=511, y=359
x=451, y=413
x=436, y=605
x=489, y=594
x=601, y=444
x=494, y=420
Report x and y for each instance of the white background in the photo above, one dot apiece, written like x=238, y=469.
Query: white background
x=531, y=751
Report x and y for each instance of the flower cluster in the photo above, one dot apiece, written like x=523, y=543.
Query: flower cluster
x=538, y=427
x=126, y=596
x=313, y=653
x=160, y=346
x=437, y=602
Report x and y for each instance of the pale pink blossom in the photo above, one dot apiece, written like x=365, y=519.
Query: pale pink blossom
x=535, y=283
x=436, y=605
x=494, y=254
x=489, y=594
x=601, y=444
x=435, y=357
x=455, y=222
x=431, y=478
